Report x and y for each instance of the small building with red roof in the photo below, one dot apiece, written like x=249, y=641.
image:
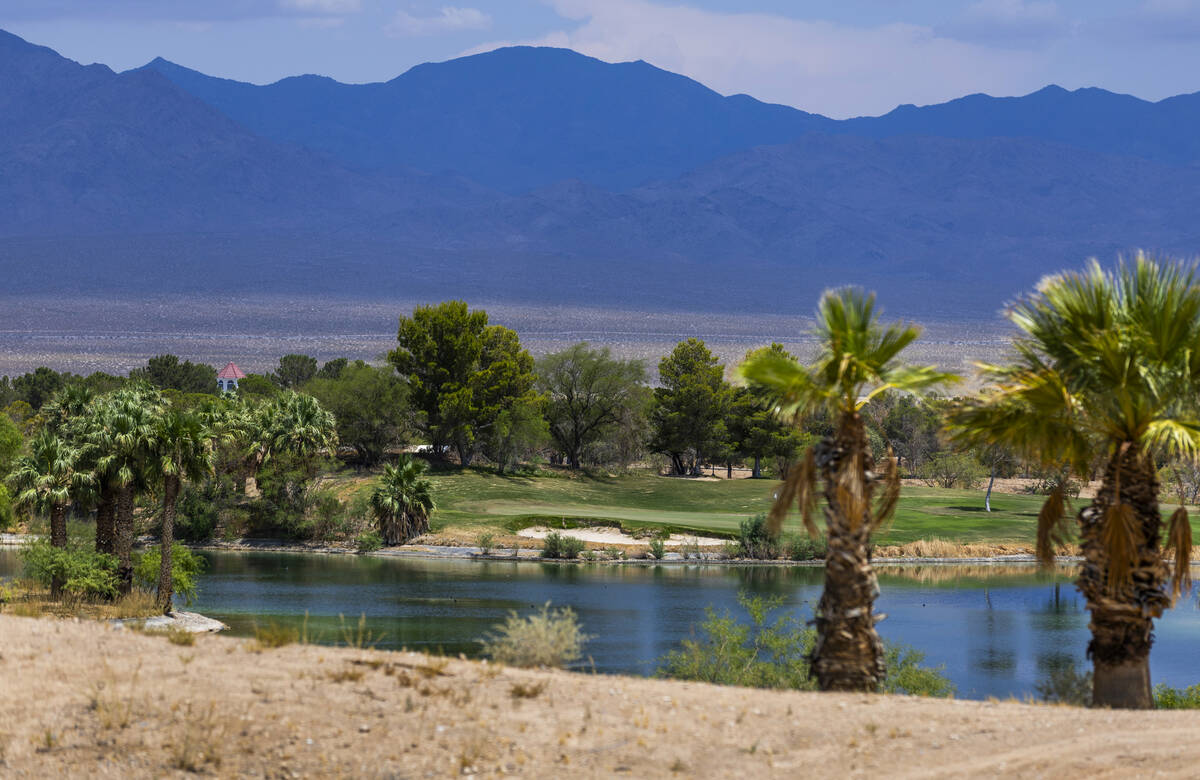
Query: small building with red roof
x=228, y=377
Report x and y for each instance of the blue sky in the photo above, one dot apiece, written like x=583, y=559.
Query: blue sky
x=843, y=58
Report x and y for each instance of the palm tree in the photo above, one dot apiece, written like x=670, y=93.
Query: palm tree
x=181, y=449
x=47, y=481
x=1107, y=369
x=402, y=501
x=858, y=360
x=122, y=437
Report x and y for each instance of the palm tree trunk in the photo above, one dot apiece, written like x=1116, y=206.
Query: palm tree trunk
x=124, y=539
x=106, y=519
x=166, y=581
x=848, y=654
x=1123, y=616
x=757, y=473
x=58, y=538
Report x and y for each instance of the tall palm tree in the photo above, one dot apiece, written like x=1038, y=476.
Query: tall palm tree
x=122, y=438
x=1107, y=368
x=47, y=481
x=293, y=423
x=402, y=501
x=858, y=360
x=181, y=449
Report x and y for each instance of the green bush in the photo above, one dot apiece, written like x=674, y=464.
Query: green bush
x=555, y=545
x=8, y=520
x=186, y=568
x=805, y=548
x=368, y=541
x=196, y=516
x=1168, y=698
x=755, y=541
x=486, y=541
x=84, y=572
x=547, y=638
x=765, y=653
x=657, y=549
x=1064, y=684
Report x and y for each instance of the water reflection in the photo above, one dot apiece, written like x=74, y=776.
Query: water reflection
x=997, y=630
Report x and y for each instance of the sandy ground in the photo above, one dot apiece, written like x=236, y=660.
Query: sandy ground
x=83, y=700
x=610, y=535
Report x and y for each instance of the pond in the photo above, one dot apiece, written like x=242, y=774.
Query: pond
x=997, y=630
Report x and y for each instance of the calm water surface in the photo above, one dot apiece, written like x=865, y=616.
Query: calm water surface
x=997, y=630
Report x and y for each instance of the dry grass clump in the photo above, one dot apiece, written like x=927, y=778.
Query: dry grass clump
x=197, y=739
x=550, y=638
x=274, y=635
x=942, y=548
x=25, y=598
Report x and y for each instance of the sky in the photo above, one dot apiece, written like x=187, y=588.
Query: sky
x=839, y=57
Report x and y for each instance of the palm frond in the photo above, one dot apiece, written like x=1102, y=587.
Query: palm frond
x=1051, y=528
x=886, y=507
x=1120, y=535
x=1179, y=536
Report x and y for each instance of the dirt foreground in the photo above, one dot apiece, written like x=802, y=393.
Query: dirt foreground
x=85, y=700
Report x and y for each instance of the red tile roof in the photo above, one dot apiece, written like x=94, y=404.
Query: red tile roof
x=231, y=371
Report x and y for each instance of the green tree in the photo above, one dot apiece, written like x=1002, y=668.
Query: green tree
x=1105, y=368
x=293, y=371
x=438, y=354
x=462, y=374
x=121, y=434
x=181, y=449
x=755, y=429
x=46, y=481
x=11, y=442
x=37, y=387
x=166, y=372
x=588, y=394
x=333, y=368
x=858, y=360
x=371, y=407
x=687, y=419
x=290, y=432
x=402, y=501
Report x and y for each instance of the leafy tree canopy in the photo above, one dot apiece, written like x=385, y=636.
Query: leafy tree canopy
x=167, y=372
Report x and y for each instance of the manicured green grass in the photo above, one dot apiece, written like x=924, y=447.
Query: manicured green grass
x=482, y=498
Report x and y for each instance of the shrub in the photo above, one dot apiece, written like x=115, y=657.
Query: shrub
x=774, y=654
x=555, y=545
x=485, y=541
x=84, y=572
x=546, y=638
x=657, y=549
x=8, y=519
x=276, y=635
x=186, y=567
x=1168, y=698
x=368, y=541
x=1045, y=484
x=951, y=469
x=196, y=516
x=755, y=541
x=1064, y=684
x=805, y=548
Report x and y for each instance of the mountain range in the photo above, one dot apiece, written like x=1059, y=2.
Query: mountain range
x=540, y=174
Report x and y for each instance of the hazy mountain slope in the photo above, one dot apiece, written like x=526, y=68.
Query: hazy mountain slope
x=1092, y=119
x=85, y=150
x=515, y=118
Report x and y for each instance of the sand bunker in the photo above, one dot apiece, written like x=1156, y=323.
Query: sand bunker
x=608, y=535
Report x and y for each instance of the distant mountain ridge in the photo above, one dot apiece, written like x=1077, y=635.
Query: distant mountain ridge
x=543, y=175
x=519, y=118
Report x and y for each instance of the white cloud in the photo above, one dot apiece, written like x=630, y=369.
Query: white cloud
x=835, y=69
x=1009, y=23
x=322, y=6
x=448, y=19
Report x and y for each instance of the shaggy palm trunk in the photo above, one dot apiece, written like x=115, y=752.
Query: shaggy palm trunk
x=848, y=654
x=58, y=538
x=166, y=582
x=1123, y=615
x=106, y=519
x=403, y=527
x=124, y=539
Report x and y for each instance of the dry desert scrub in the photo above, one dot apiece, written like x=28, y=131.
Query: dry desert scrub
x=228, y=712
